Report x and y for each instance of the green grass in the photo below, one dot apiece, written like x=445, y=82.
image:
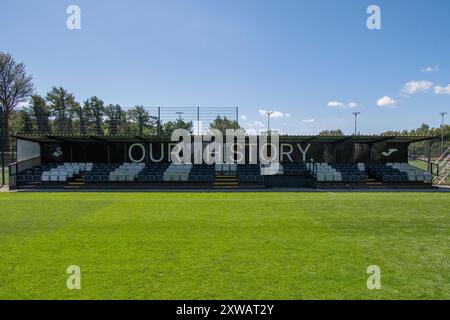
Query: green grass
x=419, y=164
x=225, y=245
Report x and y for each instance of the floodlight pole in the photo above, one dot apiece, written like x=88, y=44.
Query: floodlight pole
x=268, y=113
x=356, y=121
x=442, y=131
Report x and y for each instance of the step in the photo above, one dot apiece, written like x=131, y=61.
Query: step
x=225, y=187
x=225, y=184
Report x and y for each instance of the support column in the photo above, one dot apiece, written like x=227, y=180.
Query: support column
x=108, y=148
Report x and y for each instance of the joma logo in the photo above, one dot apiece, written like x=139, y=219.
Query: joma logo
x=389, y=152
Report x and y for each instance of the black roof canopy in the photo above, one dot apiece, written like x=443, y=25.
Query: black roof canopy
x=74, y=138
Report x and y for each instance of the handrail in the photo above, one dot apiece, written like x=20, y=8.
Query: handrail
x=444, y=161
x=19, y=166
x=444, y=154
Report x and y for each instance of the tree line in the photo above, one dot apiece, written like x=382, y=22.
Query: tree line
x=59, y=112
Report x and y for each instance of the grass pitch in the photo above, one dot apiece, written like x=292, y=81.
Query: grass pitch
x=224, y=245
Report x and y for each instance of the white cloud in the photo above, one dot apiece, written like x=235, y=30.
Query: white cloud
x=258, y=124
x=274, y=114
x=338, y=104
x=309, y=120
x=386, y=101
x=255, y=124
x=243, y=117
x=430, y=69
x=335, y=104
x=415, y=86
x=442, y=90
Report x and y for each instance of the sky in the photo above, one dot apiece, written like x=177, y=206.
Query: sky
x=312, y=62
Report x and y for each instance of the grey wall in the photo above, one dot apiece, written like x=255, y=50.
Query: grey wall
x=27, y=149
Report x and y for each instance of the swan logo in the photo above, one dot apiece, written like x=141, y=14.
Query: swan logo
x=389, y=152
x=58, y=153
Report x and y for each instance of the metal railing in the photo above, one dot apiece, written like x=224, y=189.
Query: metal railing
x=16, y=167
x=441, y=171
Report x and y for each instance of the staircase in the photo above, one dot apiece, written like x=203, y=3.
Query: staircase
x=442, y=171
x=77, y=182
x=225, y=182
x=371, y=182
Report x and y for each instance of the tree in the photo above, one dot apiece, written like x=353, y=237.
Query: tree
x=63, y=106
x=170, y=126
x=224, y=123
x=15, y=88
x=97, y=109
x=141, y=121
x=20, y=121
x=41, y=114
x=27, y=125
x=115, y=119
x=82, y=119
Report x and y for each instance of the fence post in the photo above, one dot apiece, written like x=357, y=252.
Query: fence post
x=159, y=121
x=198, y=120
x=2, y=154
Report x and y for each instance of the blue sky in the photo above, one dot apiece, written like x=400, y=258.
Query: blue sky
x=312, y=61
